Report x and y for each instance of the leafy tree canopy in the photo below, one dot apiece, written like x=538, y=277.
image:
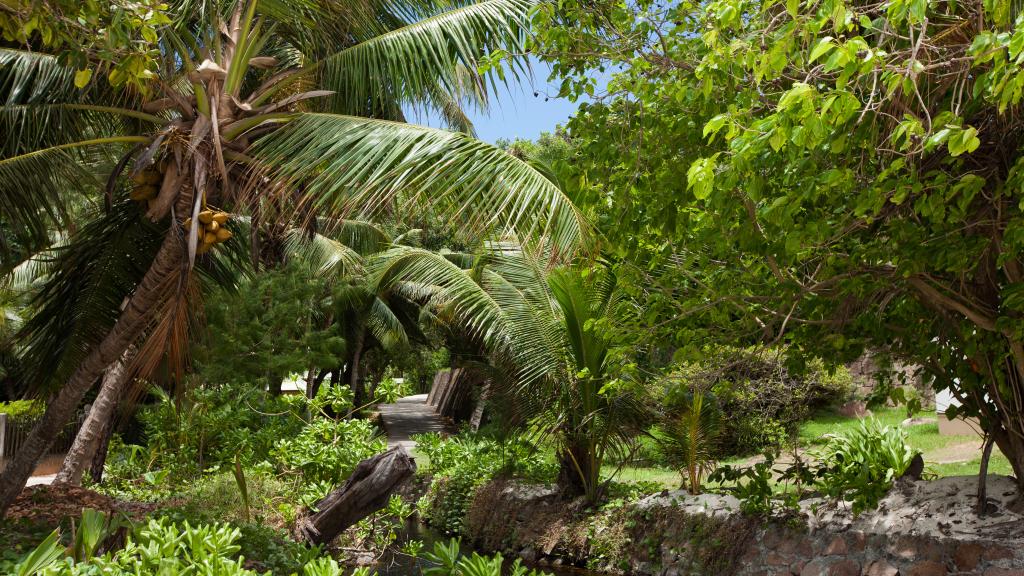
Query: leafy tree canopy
x=832, y=174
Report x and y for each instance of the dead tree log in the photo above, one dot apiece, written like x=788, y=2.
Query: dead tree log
x=366, y=491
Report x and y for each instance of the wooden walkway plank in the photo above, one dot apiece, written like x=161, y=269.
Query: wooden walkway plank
x=409, y=415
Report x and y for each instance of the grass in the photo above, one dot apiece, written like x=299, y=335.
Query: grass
x=814, y=433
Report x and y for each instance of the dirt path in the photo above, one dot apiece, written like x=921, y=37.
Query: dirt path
x=410, y=415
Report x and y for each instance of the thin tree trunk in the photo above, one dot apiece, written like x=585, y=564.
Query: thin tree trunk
x=986, y=454
x=63, y=405
x=274, y=383
x=317, y=382
x=87, y=440
x=311, y=375
x=354, y=383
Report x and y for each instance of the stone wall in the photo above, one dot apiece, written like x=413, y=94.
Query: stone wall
x=864, y=372
x=920, y=529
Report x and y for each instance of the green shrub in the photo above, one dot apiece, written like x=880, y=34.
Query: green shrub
x=265, y=540
x=862, y=465
x=764, y=399
x=324, y=453
x=213, y=425
x=388, y=390
x=22, y=409
x=461, y=464
x=859, y=467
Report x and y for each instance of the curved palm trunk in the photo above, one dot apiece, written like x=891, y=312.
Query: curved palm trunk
x=62, y=406
x=88, y=439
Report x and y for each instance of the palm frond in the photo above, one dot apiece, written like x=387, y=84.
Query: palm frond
x=34, y=77
x=82, y=298
x=360, y=235
x=412, y=61
x=385, y=326
x=326, y=256
x=351, y=164
x=34, y=186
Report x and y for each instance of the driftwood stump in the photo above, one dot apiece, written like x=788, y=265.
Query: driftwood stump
x=366, y=491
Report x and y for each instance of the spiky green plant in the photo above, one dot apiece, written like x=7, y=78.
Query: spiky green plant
x=688, y=435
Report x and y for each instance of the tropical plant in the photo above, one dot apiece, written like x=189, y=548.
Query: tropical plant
x=862, y=465
x=853, y=173
x=553, y=329
x=688, y=434
x=156, y=547
x=447, y=560
x=755, y=486
x=277, y=111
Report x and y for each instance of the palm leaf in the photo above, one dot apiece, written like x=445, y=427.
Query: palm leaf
x=410, y=62
x=350, y=164
x=326, y=256
x=34, y=186
x=82, y=298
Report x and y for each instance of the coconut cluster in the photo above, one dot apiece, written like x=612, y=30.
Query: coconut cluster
x=146, y=183
x=211, y=229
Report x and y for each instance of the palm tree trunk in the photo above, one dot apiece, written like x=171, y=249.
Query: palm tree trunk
x=99, y=459
x=63, y=405
x=354, y=382
x=86, y=442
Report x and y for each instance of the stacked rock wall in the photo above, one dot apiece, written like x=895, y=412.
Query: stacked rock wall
x=920, y=529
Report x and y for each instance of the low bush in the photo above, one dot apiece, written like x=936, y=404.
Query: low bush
x=461, y=464
x=211, y=426
x=157, y=547
x=764, y=399
x=324, y=452
x=446, y=559
x=291, y=437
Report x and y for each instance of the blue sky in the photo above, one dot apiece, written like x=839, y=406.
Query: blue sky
x=516, y=113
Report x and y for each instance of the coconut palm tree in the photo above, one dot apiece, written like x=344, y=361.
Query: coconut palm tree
x=370, y=315
x=549, y=326
x=274, y=110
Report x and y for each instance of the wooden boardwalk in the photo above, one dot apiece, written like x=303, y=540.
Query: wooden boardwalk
x=410, y=415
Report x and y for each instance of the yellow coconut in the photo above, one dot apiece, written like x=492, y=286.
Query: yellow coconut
x=209, y=238
x=206, y=216
x=223, y=234
x=212, y=226
x=221, y=217
x=187, y=224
